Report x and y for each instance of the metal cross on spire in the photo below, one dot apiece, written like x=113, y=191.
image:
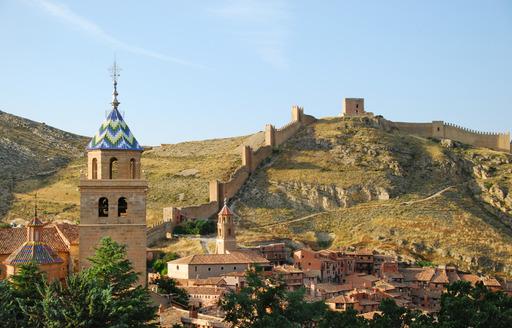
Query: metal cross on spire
x=114, y=70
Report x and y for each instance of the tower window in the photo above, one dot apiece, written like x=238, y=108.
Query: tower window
x=357, y=105
x=103, y=207
x=132, y=168
x=122, y=206
x=94, y=168
x=229, y=231
x=114, y=168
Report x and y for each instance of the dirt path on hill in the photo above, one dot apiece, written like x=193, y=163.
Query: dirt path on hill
x=437, y=194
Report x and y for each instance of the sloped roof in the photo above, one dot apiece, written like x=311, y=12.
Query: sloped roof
x=114, y=134
x=37, y=252
x=232, y=258
x=225, y=211
x=69, y=232
x=12, y=238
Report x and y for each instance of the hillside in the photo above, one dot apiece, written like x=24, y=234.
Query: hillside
x=30, y=154
x=48, y=161
x=342, y=182
x=337, y=182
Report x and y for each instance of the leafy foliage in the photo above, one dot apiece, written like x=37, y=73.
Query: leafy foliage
x=269, y=304
x=196, y=227
x=168, y=285
x=160, y=264
x=266, y=303
x=105, y=295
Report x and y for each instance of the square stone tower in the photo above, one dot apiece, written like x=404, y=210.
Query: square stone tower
x=113, y=193
x=353, y=107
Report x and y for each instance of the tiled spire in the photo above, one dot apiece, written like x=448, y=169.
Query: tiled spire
x=114, y=133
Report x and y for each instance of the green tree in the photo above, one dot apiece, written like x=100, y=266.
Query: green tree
x=168, y=285
x=10, y=312
x=347, y=318
x=80, y=303
x=268, y=304
x=111, y=270
x=28, y=284
x=464, y=306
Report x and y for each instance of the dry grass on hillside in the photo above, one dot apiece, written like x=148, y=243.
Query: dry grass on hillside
x=453, y=227
x=178, y=175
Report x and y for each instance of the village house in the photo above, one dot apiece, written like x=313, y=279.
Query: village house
x=292, y=277
x=276, y=253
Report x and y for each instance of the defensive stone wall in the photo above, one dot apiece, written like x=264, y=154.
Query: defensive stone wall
x=442, y=130
x=219, y=190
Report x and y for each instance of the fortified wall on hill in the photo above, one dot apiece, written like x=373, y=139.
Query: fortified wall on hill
x=252, y=158
x=219, y=190
x=436, y=129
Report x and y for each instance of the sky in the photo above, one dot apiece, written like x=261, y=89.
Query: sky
x=194, y=70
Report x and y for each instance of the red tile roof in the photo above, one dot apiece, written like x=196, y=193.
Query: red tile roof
x=12, y=238
x=232, y=258
x=225, y=211
x=69, y=232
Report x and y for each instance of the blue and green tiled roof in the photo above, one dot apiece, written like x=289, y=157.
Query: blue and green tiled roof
x=36, y=252
x=114, y=134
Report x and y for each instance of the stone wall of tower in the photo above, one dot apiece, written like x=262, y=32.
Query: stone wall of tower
x=125, y=228
x=353, y=107
x=226, y=239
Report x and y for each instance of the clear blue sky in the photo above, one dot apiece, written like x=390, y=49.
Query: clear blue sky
x=203, y=69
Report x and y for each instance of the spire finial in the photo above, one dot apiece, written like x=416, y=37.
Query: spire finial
x=115, y=74
x=35, y=205
x=225, y=201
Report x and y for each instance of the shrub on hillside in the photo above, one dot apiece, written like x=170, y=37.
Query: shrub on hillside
x=196, y=227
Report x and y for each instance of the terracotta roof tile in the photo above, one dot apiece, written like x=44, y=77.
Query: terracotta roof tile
x=69, y=232
x=12, y=238
x=200, y=290
x=226, y=211
x=341, y=299
x=232, y=258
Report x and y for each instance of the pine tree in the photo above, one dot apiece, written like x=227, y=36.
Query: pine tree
x=112, y=270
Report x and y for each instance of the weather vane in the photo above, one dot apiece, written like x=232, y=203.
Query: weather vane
x=115, y=74
x=114, y=70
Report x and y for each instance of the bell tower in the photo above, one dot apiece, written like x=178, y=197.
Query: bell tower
x=226, y=240
x=113, y=193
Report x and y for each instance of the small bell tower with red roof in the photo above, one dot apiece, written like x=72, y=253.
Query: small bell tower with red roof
x=226, y=239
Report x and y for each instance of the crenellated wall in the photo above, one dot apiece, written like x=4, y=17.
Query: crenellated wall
x=442, y=130
x=218, y=190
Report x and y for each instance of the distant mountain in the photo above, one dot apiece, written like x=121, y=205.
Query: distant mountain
x=32, y=151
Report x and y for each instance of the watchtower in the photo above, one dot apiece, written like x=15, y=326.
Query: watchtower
x=113, y=193
x=353, y=107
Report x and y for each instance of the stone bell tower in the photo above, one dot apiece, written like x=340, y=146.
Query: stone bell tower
x=226, y=240
x=113, y=193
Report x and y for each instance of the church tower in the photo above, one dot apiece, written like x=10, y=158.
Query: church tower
x=113, y=193
x=226, y=240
